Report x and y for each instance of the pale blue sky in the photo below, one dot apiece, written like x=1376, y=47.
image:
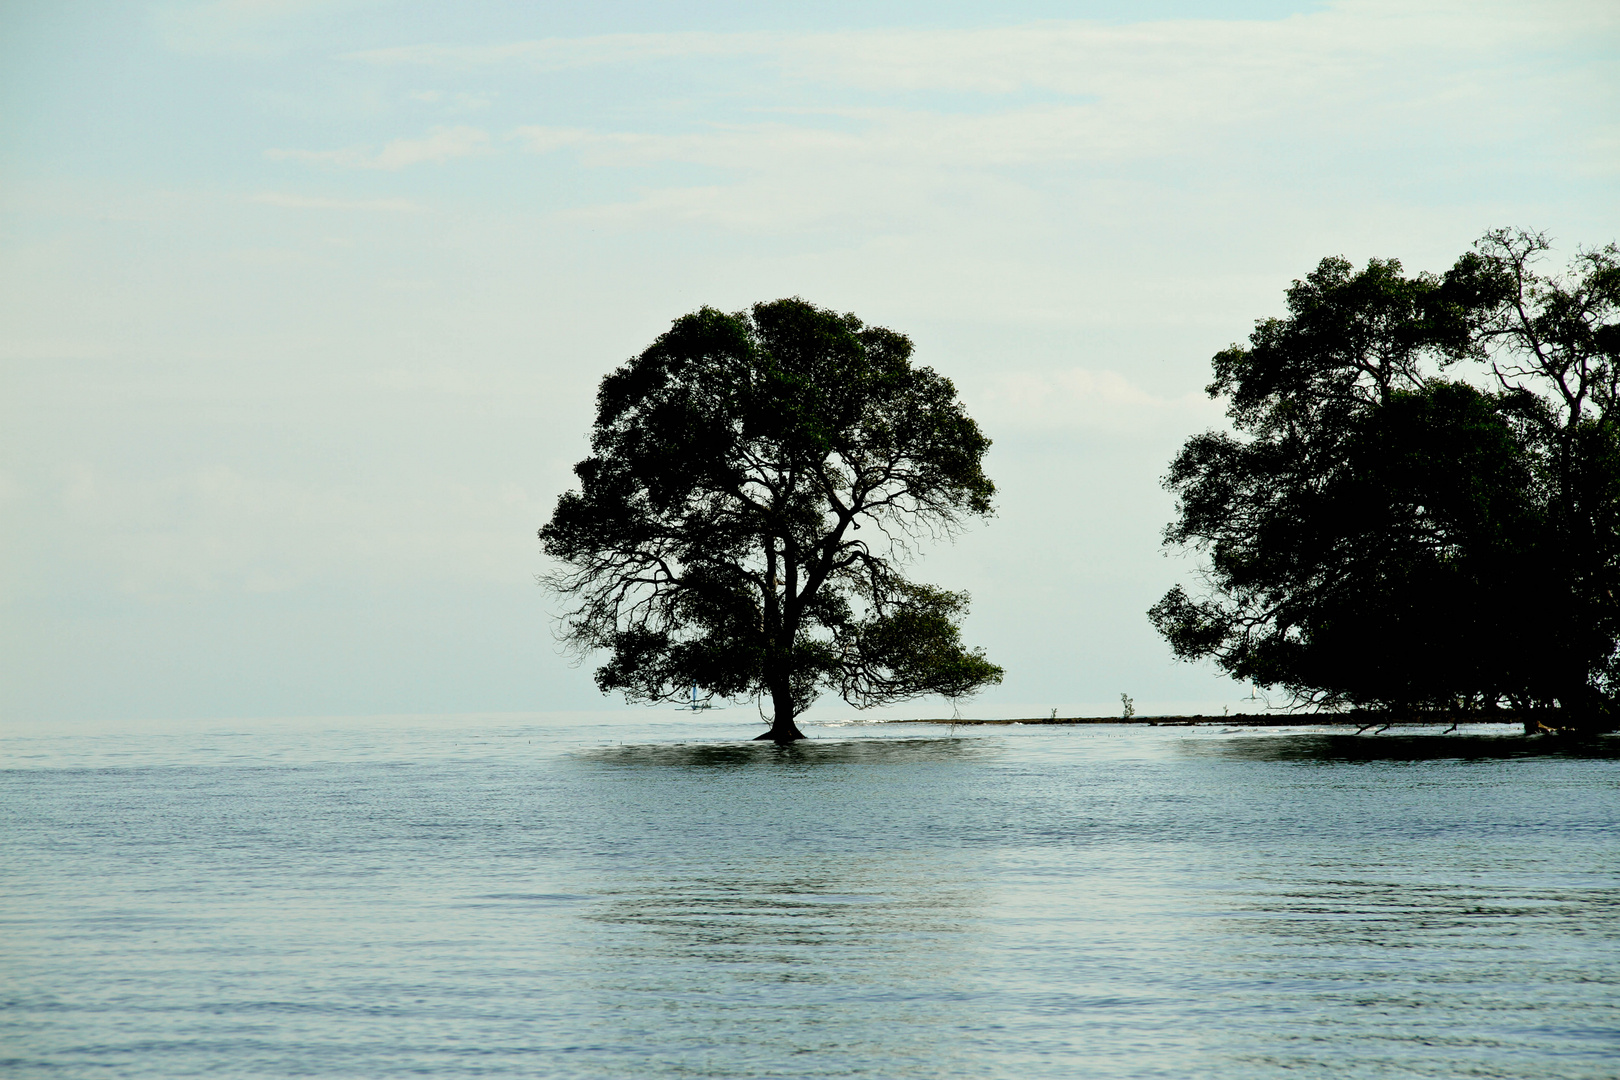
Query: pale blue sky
x=304, y=303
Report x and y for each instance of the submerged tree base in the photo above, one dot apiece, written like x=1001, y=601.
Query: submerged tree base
x=1555, y=722
x=782, y=734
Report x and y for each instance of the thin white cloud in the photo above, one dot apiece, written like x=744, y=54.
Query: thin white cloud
x=543, y=140
x=311, y=202
x=240, y=27
x=1086, y=399
x=1079, y=57
x=461, y=101
x=1039, y=133
x=556, y=54
x=218, y=529
x=440, y=145
x=1430, y=91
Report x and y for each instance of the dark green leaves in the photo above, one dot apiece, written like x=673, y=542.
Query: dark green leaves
x=1379, y=535
x=714, y=539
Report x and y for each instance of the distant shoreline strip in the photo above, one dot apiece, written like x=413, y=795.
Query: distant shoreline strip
x=1244, y=719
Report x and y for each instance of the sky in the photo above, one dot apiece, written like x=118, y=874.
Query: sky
x=303, y=304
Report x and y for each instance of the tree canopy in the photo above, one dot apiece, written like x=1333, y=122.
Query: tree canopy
x=1418, y=505
x=715, y=547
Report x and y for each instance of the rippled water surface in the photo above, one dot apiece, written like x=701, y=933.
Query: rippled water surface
x=652, y=897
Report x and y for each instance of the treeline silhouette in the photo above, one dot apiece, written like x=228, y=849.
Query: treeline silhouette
x=1418, y=506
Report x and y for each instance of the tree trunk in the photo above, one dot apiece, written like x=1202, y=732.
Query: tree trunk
x=783, y=729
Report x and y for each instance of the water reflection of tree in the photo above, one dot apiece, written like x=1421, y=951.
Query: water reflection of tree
x=753, y=942
x=1452, y=963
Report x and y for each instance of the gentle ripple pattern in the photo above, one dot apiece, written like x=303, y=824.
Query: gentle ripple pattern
x=635, y=896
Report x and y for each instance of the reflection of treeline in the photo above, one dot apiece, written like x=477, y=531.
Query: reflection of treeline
x=1420, y=507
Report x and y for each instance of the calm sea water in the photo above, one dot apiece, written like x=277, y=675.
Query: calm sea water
x=650, y=897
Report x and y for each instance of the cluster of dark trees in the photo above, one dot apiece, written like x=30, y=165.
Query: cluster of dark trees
x=1418, y=506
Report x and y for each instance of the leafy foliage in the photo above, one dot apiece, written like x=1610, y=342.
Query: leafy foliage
x=1378, y=534
x=713, y=540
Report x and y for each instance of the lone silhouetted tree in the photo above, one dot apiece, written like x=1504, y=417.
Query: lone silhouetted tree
x=755, y=486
